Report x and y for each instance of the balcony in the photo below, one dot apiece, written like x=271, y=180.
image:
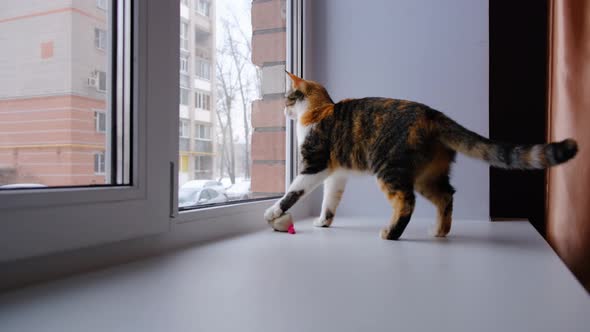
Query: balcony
x=203, y=52
x=204, y=146
x=184, y=144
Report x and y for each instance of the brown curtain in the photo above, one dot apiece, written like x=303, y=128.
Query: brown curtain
x=568, y=190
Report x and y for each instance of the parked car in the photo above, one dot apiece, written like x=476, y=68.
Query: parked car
x=239, y=191
x=204, y=184
x=22, y=186
x=188, y=197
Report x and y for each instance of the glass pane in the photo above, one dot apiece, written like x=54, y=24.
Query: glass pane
x=56, y=123
x=234, y=140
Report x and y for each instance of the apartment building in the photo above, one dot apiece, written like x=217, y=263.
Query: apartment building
x=197, y=90
x=53, y=115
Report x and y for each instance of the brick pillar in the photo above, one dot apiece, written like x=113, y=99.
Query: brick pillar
x=268, y=120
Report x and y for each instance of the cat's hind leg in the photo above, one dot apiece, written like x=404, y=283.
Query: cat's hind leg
x=402, y=199
x=300, y=187
x=433, y=183
x=334, y=187
x=440, y=192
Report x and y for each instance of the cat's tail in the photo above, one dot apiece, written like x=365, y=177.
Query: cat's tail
x=503, y=155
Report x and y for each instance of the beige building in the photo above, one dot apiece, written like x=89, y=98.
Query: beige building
x=197, y=90
x=53, y=69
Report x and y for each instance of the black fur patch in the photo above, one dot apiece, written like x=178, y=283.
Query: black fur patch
x=399, y=228
x=290, y=199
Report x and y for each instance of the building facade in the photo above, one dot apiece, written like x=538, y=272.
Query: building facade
x=197, y=90
x=53, y=66
x=54, y=120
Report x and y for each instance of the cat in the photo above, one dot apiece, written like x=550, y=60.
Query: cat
x=408, y=146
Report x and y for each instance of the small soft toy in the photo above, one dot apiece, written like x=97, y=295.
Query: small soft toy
x=284, y=223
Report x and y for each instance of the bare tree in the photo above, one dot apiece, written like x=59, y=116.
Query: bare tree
x=226, y=89
x=240, y=58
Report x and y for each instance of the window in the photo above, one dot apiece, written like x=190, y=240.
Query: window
x=228, y=83
x=184, y=36
x=99, y=163
x=185, y=80
x=202, y=69
x=102, y=4
x=184, y=95
x=100, y=119
x=202, y=7
x=100, y=39
x=203, y=132
x=184, y=2
x=203, y=167
x=184, y=64
x=202, y=100
x=184, y=128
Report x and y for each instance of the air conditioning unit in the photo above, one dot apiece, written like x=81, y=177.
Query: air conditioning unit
x=92, y=82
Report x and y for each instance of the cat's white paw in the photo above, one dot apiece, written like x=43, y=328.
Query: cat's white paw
x=272, y=213
x=436, y=231
x=322, y=222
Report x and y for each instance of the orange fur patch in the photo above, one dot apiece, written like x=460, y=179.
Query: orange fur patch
x=317, y=114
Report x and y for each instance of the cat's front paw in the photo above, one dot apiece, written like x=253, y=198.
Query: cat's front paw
x=272, y=213
x=322, y=222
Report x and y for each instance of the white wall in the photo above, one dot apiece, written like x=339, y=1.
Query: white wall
x=431, y=51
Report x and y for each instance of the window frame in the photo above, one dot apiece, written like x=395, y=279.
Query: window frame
x=100, y=39
x=101, y=161
x=88, y=216
x=97, y=121
x=102, y=4
x=200, y=65
x=296, y=13
x=135, y=211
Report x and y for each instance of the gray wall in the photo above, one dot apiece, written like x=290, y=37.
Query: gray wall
x=431, y=51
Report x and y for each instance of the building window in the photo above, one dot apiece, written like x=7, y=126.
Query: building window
x=102, y=4
x=99, y=163
x=184, y=2
x=184, y=128
x=100, y=121
x=203, y=131
x=184, y=64
x=100, y=39
x=203, y=165
x=203, y=100
x=184, y=96
x=202, y=69
x=184, y=36
x=185, y=80
x=202, y=7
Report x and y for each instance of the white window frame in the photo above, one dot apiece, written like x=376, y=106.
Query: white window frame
x=83, y=217
x=208, y=128
x=35, y=222
x=184, y=128
x=100, y=39
x=184, y=64
x=188, y=96
x=230, y=215
x=99, y=163
x=203, y=69
x=184, y=29
x=97, y=121
x=201, y=9
x=202, y=100
x=102, y=4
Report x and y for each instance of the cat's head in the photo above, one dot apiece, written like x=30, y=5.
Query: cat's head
x=303, y=95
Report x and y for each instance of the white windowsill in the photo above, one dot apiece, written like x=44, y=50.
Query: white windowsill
x=485, y=277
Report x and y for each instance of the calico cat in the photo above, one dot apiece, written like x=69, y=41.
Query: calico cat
x=408, y=146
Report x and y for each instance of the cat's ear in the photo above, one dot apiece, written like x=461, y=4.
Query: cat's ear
x=297, y=81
